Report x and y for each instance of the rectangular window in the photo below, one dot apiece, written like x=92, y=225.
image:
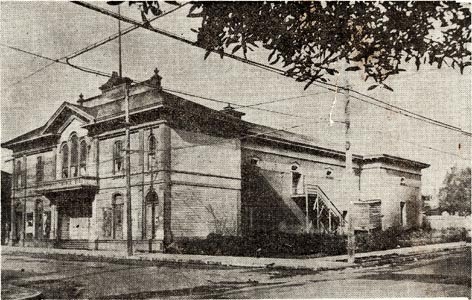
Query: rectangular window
x=39, y=169
x=117, y=157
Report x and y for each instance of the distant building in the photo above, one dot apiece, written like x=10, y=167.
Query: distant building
x=6, y=206
x=194, y=171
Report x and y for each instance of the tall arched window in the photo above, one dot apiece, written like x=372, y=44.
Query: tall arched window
x=74, y=155
x=117, y=206
x=117, y=157
x=19, y=174
x=151, y=151
x=65, y=160
x=83, y=157
x=153, y=218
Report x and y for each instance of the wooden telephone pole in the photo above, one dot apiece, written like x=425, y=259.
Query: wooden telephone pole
x=349, y=175
x=129, y=218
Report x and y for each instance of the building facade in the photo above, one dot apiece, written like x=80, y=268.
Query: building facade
x=194, y=171
x=6, y=206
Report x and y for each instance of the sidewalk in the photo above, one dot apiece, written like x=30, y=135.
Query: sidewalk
x=316, y=264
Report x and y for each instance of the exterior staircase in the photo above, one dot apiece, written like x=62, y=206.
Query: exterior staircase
x=321, y=215
x=328, y=215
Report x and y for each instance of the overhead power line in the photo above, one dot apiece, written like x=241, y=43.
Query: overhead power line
x=247, y=106
x=85, y=49
x=104, y=74
x=382, y=104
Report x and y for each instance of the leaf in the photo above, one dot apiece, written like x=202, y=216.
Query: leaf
x=331, y=71
x=207, y=53
x=236, y=48
x=276, y=60
x=308, y=84
x=372, y=87
x=355, y=68
x=387, y=87
x=175, y=3
x=271, y=54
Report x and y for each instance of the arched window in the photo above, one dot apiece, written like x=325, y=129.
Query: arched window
x=74, y=155
x=117, y=207
x=151, y=151
x=83, y=157
x=65, y=160
x=19, y=174
x=117, y=157
x=152, y=202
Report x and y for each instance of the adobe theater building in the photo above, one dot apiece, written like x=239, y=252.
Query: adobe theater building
x=194, y=170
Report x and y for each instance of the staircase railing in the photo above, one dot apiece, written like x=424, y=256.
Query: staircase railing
x=313, y=189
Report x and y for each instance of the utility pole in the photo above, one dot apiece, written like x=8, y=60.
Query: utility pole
x=348, y=175
x=129, y=227
x=120, y=71
x=129, y=217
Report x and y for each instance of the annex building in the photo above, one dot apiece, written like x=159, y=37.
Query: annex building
x=194, y=171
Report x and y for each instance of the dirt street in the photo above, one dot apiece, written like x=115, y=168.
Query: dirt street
x=445, y=276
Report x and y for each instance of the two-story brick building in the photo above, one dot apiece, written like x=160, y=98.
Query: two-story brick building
x=194, y=170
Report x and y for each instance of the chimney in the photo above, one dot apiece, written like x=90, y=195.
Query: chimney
x=232, y=112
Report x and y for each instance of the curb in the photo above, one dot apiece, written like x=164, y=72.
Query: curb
x=318, y=264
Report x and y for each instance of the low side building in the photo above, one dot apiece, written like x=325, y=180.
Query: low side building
x=194, y=171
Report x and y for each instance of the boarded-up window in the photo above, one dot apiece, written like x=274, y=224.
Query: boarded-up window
x=107, y=222
x=375, y=216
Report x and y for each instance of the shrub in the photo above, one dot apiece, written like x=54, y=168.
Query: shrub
x=265, y=244
x=398, y=237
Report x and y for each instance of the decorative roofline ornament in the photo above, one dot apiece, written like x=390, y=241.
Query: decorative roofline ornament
x=115, y=80
x=155, y=80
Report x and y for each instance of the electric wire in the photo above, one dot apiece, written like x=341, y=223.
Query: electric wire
x=384, y=105
x=226, y=102
x=86, y=49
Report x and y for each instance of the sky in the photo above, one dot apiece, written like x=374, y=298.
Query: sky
x=55, y=29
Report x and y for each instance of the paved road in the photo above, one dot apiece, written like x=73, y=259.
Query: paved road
x=445, y=276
